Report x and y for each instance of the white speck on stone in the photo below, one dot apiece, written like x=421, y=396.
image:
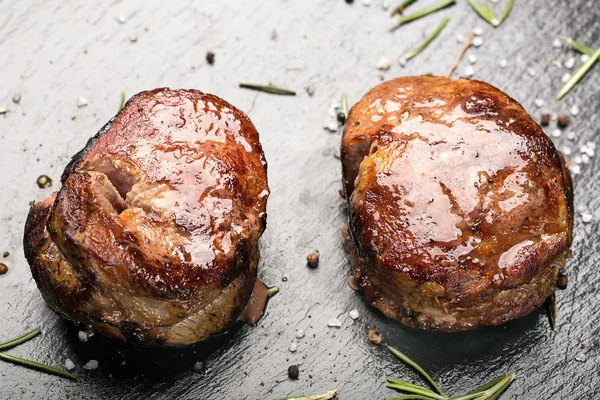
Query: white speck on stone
x=334, y=323
x=566, y=76
x=575, y=169
x=566, y=150
x=586, y=218
x=133, y=38
x=585, y=158
x=384, y=63
x=199, y=367
x=553, y=117
x=354, y=314
x=472, y=58
x=556, y=133
x=477, y=42
x=557, y=64
x=580, y=357
x=574, y=110
x=121, y=19
x=478, y=31
x=591, y=145
x=503, y=63
x=556, y=43
x=539, y=103
x=460, y=38
x=335, y=104
x=571, y=135
x=570, y=63
x=385, y=4
x=82, y=102
x=531, y=71
x=333, y=126
x=69, y=365
x=469, y=71
x=585, y=57
x=82, y=336
x=402, y=62
x=91, y=365
x=299, y=334
x=590, y=152
x=293, y=347
x=577, y=159
x=367, y=3
x=16, y=98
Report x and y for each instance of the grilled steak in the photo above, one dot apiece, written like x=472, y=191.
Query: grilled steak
x=460, y=208
x=153, y=236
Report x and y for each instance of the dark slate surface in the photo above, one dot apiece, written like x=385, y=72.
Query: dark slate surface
x=53, y=52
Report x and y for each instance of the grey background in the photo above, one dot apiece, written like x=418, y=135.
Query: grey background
x=53, y=52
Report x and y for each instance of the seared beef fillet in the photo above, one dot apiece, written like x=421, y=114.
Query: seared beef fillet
x=154, y=234
x=460, y=207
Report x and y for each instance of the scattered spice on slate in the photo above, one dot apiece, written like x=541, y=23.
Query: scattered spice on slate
x=284, y=279
x=313, y=259
x=16, y=98
x=545, y=120
x=341, y=117
x=210, y=58
x=199, y=367
x=423, y=12
x=44, y=181
x=293, y=372
x=3, y=269
x=563, y=279
x=6, y=254
x=375, y=336
x=563, y=120
x=3, y=111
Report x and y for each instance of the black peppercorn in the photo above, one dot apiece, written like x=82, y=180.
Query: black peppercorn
x=341, y=117
x=210, y=57
x=293, y=372
x=545, y=120
x=563, y=120
x=562, y=280
x=313, y=259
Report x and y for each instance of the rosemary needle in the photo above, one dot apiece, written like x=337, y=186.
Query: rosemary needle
x=399, y=9
x=345, y=105
x=122, y=103
x=488, y=14
x=267, y=88
x=423, y=12
x=578, y=46
x=416, y=366
x=325, y=396
x=576, y=77
x=38, y=366
x=272, y=291
x=18, y=340
x=427, y=41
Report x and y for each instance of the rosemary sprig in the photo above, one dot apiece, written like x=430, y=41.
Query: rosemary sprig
x=28, y=363
x=38, y=366
x=267, y=88
x=466, y=44
x=416, y=366
x=325, y=396
x=576, y=77
x=488, y=13
x=490, y=391
x=272, y=291
x=345, y=105
x=399, y=9
x=122, y=103
x=428, y=40
x=578, y=46
x=423, y=12
x=18, y=340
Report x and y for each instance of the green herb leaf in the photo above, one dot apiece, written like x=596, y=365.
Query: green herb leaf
x=487, y=385
x=18, y=340
x=399, y=9
x=410, y=397
x=576, y=77
x=325, y=396
x=345, y=104
x=272, y=291
x=506, y=11
x=578, y=46
x=428, y=40
x=416, y=390
x=488, y=14
x=423, y=12
x=39, y=366
x=122, y=103
x=416, y=366
x=267, y=88
x=401, y=382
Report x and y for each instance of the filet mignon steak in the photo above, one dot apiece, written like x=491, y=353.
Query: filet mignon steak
x=460, y=208
x=153, y=236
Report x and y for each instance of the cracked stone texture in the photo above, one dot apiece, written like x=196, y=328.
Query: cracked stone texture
x=54, y=52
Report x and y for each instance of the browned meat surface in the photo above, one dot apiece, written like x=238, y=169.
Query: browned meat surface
x=460, y=208
x=153, y=236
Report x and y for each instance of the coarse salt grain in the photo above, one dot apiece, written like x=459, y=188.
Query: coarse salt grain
x=574, y=110
x=82, y=102
x=503, y=63
x=293, y=347
x=82, y=336
x=571, y=135
x=591, y=145
x=472, y=58
x=477, y=42
x=580, y=357
x=531, y=71
x=334, y=323
x=299, y=334
x=384, y=64
x=570, y=63
x=585, y=57
x=566, y=150
x=469, y=71
x=402, y=62
x=556, y=43
x=91, y=365
x=586, y=217
x=556, y=133
x=69, y=365
x=575, y=169
x=585, y=158
x=539, y=103
x=565, y=77
x=367, y=3
x=354, y=314
x=478, y=31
